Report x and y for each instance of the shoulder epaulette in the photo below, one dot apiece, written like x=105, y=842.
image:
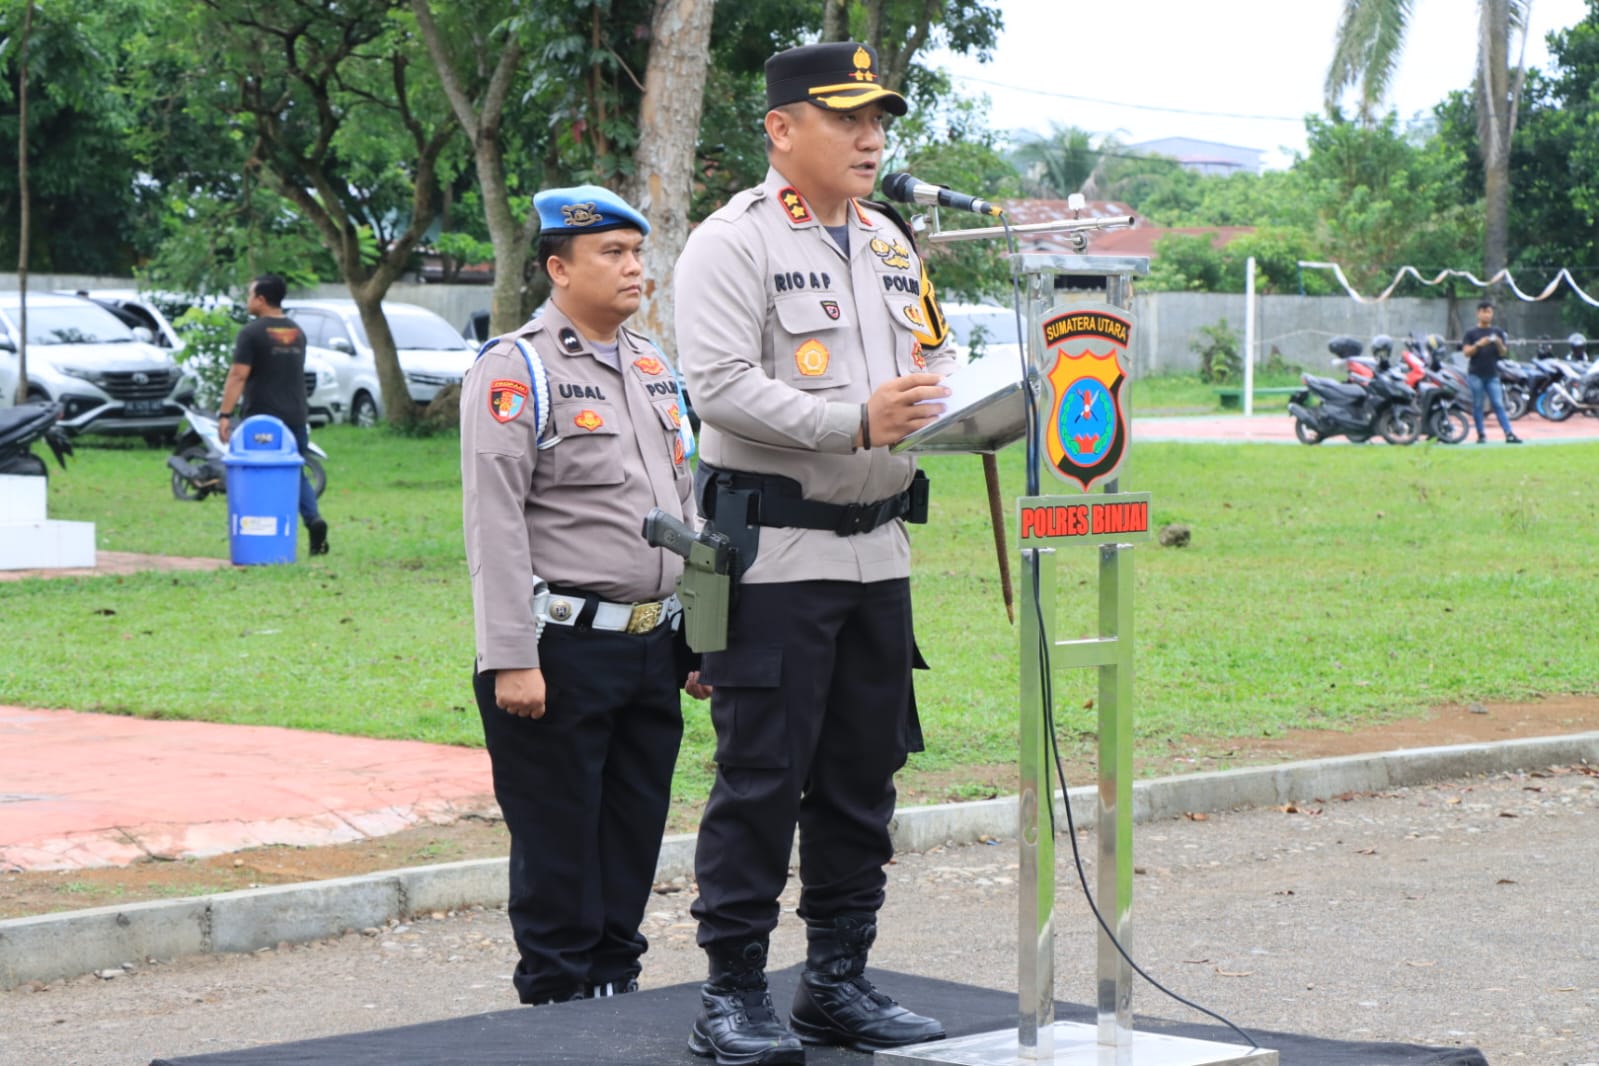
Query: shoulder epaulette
x=740, y=203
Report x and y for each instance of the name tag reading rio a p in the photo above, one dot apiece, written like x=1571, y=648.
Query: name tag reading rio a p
x=1085, y=429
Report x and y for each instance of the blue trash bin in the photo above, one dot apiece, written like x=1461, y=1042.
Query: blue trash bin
x=263, y=470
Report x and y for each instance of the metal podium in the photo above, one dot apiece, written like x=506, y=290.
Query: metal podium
x=1078, y=321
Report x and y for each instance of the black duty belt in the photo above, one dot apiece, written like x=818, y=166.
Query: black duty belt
x=773, y=500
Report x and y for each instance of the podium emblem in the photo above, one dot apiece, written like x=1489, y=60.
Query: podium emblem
x=1085, y=433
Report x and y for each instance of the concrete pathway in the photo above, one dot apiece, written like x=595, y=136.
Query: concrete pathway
x=80, y=790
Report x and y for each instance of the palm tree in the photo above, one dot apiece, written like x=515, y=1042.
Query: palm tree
x=1366, y=50
x=1059, y=163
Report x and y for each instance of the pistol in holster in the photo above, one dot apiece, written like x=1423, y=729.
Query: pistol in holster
x=706, y=587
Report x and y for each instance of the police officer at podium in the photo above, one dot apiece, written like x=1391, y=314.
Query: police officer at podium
x=810, y=340
x=570, y=433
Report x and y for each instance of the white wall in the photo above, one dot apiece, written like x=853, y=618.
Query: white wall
x=1166, y=323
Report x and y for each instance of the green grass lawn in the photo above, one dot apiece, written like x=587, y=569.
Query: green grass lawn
x=1187, y=394
x=1324, y=587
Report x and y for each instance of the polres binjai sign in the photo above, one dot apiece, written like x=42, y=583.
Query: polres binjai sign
x=1107, y=518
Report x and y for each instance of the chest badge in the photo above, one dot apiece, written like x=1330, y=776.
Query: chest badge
x=811, y=358
x=507, y=397
x=892, y=254
x=678, y=454
x=650, y=365
x=589, y=420
x=918, y=358
x=830, y=308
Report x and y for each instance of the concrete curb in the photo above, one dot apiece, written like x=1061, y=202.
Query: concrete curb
x=54, y=946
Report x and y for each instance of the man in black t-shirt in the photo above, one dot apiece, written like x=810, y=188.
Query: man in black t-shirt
x=1483, y=347
x=269, y=370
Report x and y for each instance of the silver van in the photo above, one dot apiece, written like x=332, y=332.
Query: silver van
x=107, y=376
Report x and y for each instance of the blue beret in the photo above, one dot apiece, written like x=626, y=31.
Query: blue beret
x=585, y=209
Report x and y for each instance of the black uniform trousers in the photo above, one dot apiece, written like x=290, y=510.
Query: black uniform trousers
x=584, y=791
x=814, y=712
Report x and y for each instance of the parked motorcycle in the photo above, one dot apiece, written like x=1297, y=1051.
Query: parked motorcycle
x=25, y=424
x=197, y=468
x=1540, y=371
x=1441, y=406
x=1516, y=385
x=1378, y=406
x=1575, y=389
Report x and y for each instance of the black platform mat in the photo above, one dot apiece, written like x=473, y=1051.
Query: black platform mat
x=651, y=1029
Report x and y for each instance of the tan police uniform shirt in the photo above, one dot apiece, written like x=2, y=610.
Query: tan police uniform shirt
x=571, y=512
x=781, y=338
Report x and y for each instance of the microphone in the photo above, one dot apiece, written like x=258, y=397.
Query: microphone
x=907, y=190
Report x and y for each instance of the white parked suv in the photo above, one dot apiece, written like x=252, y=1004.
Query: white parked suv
x=107, y=376
x=432, y=353
x=982, y=330
x=150, y=310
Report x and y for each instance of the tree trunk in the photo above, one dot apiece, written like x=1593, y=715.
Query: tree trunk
x=1494, y=130
x=481, y=122
x=398, y=408
x=835, y=20
x=663, y=162
x=22, y=186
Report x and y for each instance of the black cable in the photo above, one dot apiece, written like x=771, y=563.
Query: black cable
x=1071, y=827
x=1047, y=686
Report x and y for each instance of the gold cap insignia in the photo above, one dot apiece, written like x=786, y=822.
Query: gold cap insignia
x=863, y=66
x=580, y=214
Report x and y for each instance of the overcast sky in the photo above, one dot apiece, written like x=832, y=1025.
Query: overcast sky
x=1262, y=62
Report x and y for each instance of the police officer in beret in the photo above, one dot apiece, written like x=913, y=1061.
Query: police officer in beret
x=810, y=340
x=571, y=430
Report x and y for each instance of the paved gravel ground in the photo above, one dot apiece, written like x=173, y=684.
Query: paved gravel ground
x=1459, y=914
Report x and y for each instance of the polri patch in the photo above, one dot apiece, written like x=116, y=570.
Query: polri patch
x=589, y=420
x=811, y=358
x=650, y=365
x=918, y=358
x=507, y=398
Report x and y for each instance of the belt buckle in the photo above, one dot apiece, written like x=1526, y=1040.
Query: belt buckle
x=645, y=617
x=852, y=519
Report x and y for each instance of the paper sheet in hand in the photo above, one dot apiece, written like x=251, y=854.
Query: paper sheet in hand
x=985, y=411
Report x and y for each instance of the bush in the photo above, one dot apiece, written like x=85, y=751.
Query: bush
x=1217, y=347
x=207, y=353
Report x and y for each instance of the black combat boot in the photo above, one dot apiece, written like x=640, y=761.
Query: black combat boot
x=737, y=1022
x=836, y=1004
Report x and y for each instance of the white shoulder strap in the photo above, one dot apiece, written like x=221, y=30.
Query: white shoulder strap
x=540, y=380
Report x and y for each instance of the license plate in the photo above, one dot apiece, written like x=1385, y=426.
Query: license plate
x=143, y=407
